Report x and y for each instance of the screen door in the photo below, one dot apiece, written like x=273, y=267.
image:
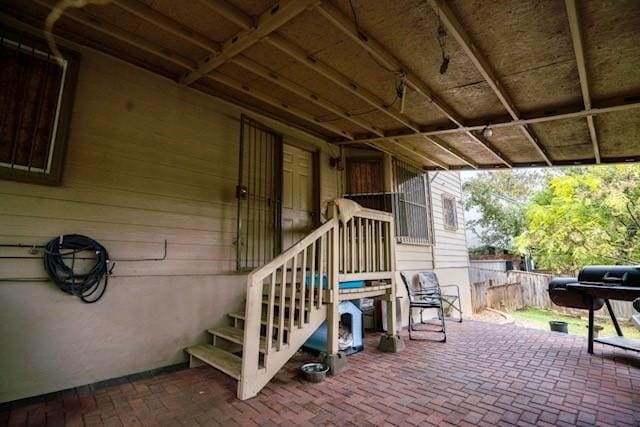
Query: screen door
x=259, y=194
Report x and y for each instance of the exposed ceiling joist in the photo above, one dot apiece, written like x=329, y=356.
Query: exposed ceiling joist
x=411, y=154
x=382, y=148
x=230, y=12
x=576, y=37
x=560, y=113
x=338, y=78
x=156, y=18
x=386, y=58
x=373, y=47
x=168, y=24
x=268, y=99
x=278, y=79
x=104, y=26
x=451, y=150
x=450, y=20
x=414, y=153
x=493, y=150
x=436, y=141
x=277, y=15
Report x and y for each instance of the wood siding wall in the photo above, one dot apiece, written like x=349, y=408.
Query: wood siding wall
x=448, y=256
x=450, y=245
x=147, y=161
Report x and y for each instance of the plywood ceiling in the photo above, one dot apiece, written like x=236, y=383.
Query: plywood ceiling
x=558, y=82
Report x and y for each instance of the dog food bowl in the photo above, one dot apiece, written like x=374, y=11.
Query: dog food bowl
x=314, y=372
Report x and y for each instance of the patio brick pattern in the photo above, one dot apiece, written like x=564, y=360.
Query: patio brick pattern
x=484, y=375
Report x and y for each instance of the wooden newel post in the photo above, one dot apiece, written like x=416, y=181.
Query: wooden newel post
x=333, y=316
x=391, y=303
x=251, y=350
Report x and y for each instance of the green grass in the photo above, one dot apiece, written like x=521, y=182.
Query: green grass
x=539, y=318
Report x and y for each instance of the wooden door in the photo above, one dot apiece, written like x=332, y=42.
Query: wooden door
x=364, y=176
x=297, y=195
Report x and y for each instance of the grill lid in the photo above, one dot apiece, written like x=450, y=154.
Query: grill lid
x=611, y=275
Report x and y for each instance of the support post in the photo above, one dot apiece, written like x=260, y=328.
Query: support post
x=336, y=361
x=391, y=341
x=614, y=320
x=333, y=316
x=250, y=354
x=590, y=338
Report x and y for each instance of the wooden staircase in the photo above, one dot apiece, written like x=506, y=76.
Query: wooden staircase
x=291, y=296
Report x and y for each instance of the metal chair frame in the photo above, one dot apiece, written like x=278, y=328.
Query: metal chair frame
x=452, y=300
x=422, y=301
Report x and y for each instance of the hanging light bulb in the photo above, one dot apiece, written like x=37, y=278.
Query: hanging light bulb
x=487, y=132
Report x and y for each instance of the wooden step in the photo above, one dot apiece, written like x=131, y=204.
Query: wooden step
x=235, y=335
x=276, y=301
x=222, y=360
x=276, y=320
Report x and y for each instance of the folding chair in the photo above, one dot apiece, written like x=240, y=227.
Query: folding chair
x=429, y=285
x=424, y=300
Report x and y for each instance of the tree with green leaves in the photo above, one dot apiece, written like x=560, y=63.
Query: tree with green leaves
x=585, y=216
x=501, y=199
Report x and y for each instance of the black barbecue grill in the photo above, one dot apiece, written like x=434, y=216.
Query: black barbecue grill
x=594, y=287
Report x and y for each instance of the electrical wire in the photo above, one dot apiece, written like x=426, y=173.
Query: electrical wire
x=89, y=286
x=55, y=14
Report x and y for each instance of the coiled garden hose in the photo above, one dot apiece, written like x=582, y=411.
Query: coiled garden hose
x=88, y=285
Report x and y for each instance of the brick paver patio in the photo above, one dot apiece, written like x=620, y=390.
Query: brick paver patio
x=484, y=375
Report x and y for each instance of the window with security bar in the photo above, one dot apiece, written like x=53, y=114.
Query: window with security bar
x=411, y=204
x=36, y=92
x=450, y=212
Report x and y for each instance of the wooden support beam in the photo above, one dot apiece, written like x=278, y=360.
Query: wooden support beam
x=278, y=79
x=454, y=26
x=618, y=104
x=451, y=150
x=380, y=54
x=168, y=24
x=277, y=15
x=378, y=145
x=375, y=49
x=486, y=144
x=412, y=153
x=230, y=12
x=338, y=78
x=268, y=99
x=156, y=18
x=307, y=59
x=104, y=26
x=576, y=37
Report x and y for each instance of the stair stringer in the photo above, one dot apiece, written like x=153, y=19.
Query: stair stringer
x=249, y=387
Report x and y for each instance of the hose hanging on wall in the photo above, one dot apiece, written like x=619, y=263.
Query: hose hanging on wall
x=87, y=285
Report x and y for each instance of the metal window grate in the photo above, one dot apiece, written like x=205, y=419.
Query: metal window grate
x=411, y=206
x=259, y=194
x=31, y=89
x=409, y=203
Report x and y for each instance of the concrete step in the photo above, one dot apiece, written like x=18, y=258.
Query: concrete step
x=220, y=359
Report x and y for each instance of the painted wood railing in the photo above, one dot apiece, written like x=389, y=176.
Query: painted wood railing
x=289, y=298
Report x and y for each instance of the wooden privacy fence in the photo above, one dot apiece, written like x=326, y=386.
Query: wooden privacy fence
x=514, y=290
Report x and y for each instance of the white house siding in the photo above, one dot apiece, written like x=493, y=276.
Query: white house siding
x=451, y=258
x=147, y=160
